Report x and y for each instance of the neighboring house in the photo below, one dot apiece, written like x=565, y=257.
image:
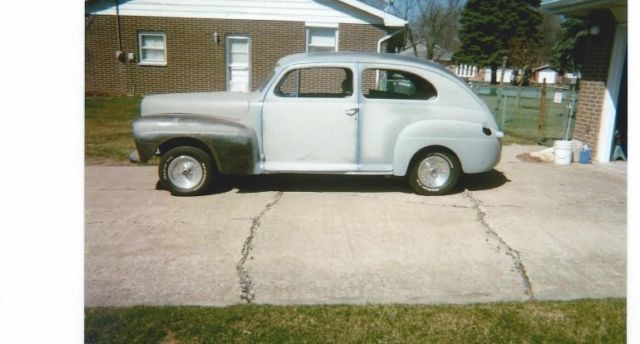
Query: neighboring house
x=420, y=50
x=602, y=106
x=545, y=74
x=469, y=72
x=156, y=46
x=444, y=58
x=440, y=55
x=500, y=77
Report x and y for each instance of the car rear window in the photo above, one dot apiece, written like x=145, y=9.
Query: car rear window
x=395, y=84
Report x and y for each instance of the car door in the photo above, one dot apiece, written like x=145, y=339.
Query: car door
x=391, y=98
x=310, y=120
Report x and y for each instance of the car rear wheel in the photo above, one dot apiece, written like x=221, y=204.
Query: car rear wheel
x=186, y=171
x=434, y=173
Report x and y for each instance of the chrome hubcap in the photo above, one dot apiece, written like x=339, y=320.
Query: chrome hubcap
x=434, y=171
x=185, y=172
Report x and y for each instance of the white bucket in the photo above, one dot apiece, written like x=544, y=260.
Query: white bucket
x=562, y=152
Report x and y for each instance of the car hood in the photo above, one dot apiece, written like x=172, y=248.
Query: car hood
x=232, y=105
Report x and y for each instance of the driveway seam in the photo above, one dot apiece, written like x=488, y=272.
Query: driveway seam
x=513, y=253
x=246, y=283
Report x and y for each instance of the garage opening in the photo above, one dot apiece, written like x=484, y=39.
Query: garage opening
x=619, y=147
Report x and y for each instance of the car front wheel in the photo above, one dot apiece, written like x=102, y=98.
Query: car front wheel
x=186, y=171
x=434, y=173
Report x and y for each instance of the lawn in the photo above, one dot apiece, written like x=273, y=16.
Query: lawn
x=108, y=136
x=585, y=321
x=522, y=113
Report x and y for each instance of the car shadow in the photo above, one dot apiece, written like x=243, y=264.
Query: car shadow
x=317, y=183
x=347, y=183
x=481, y=181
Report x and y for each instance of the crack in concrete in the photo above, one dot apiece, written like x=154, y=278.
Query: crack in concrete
x=246, y=283
x=513, y=253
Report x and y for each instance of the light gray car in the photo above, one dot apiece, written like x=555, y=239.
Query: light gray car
x=337, y=113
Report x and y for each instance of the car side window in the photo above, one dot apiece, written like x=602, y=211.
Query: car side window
x=316, y=82
x=395, y=84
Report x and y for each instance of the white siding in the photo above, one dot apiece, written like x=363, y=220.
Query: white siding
x=466, y=71
x=282, y=10
x=507, y=75
x=549, y=75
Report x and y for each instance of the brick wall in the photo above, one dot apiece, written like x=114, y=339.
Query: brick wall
x=354, y=37
x=593, y=82
x=194, y=61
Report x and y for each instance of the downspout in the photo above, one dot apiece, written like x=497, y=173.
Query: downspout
x=119, y=53
x=380, y=41
x=386, y=38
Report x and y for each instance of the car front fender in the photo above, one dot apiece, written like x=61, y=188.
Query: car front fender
x=232, y=145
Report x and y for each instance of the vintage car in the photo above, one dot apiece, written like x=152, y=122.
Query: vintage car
x=337, y=113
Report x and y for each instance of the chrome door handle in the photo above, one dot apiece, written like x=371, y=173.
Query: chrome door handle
x=352, y=111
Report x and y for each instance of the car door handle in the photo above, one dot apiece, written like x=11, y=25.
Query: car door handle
x=352, y=111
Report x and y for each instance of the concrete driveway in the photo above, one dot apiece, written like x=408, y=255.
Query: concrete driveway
x=523, y=231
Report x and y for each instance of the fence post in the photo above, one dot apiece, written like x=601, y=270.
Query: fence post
x=543, y=109
x=496, y=110
x=572, y=105
x=504, y=110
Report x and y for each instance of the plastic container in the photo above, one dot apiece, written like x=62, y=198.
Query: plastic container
x=585, y=155
x=562, y=152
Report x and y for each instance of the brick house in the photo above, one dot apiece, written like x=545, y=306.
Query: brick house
x=602, y=106
x=156, y=46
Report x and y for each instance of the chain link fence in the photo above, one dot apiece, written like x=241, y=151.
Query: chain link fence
x=535, y=113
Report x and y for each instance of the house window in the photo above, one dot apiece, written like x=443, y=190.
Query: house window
x=322, y=39
x=152, y=48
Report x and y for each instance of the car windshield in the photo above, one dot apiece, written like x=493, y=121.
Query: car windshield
x=267, y=78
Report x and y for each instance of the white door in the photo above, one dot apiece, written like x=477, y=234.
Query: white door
x=238, y=64
x=310, y=121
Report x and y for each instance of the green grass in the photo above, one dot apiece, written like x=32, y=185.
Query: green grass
x=522, y=117
x=586, y=321
x=108, y=136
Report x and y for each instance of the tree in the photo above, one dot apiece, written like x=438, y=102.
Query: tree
x=438, y=25
x=432, y=22
x=568, y=52
x=404, y=9
x=491, y=27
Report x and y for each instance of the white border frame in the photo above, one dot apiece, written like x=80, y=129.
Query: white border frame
x=151, y=33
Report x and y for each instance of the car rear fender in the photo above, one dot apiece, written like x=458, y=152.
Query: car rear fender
x=477, y=151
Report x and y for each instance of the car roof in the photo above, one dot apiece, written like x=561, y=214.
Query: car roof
x=364, y=57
